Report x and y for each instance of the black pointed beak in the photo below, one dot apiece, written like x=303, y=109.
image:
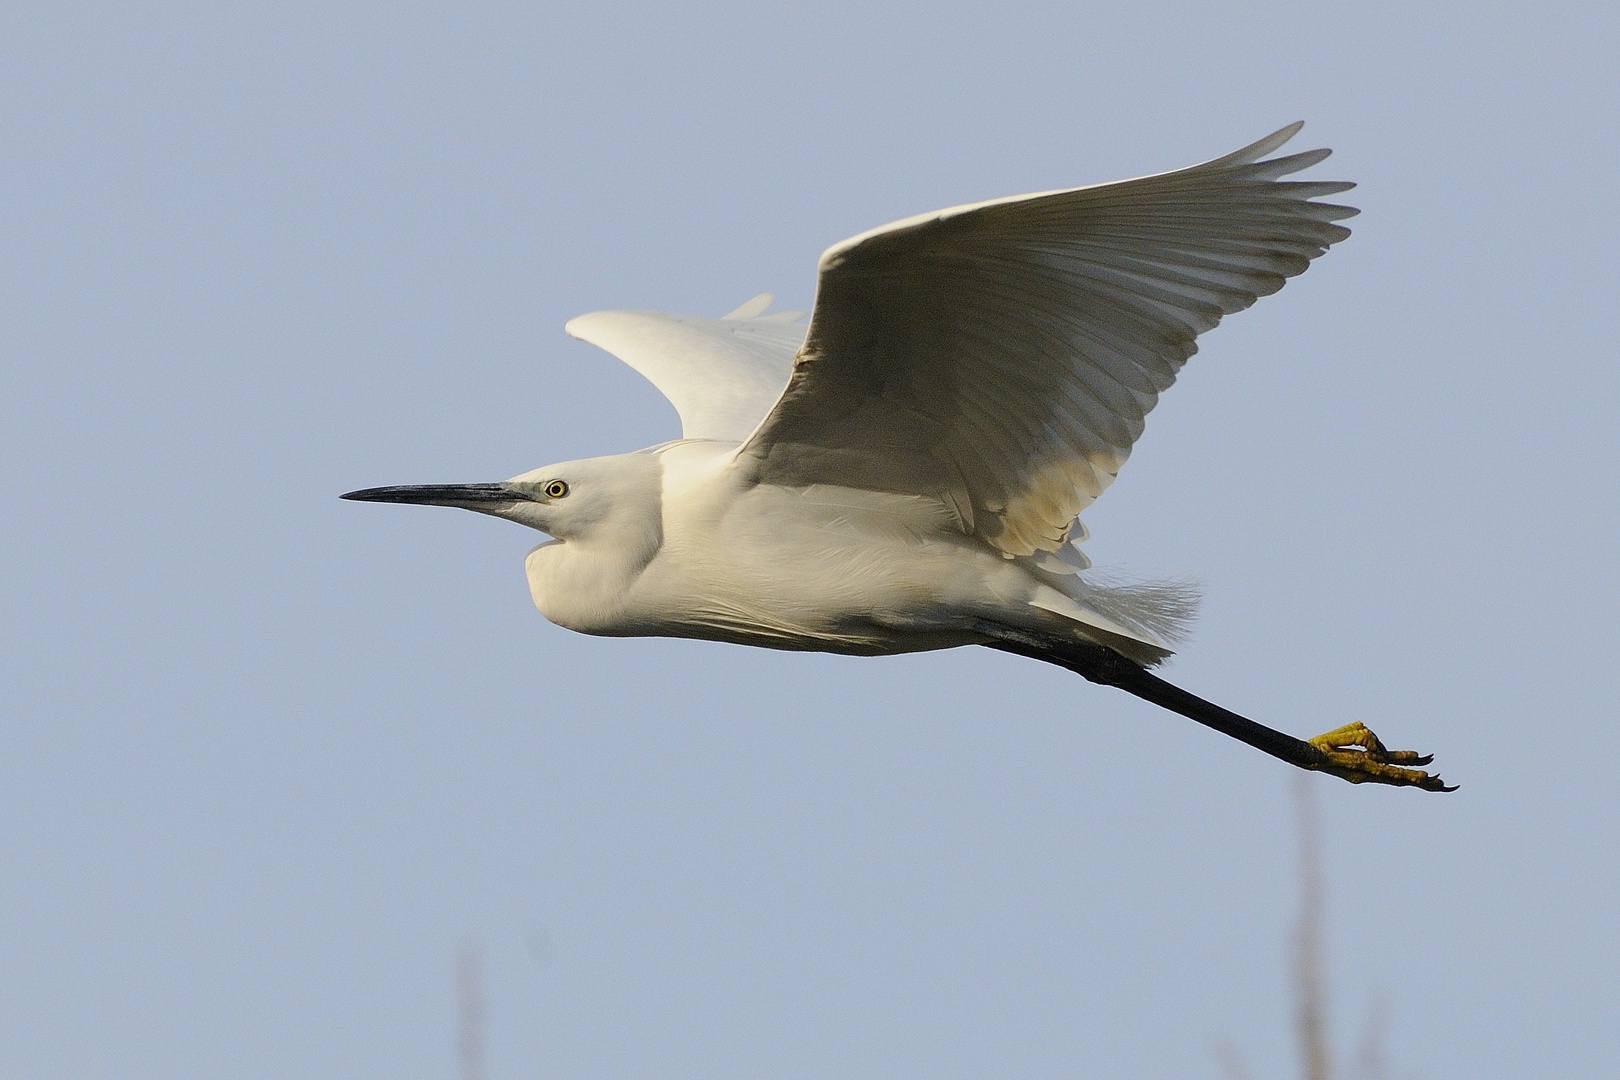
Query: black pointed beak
x=470, y=496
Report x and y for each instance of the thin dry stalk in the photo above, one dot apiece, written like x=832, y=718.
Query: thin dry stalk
x=1310, y=979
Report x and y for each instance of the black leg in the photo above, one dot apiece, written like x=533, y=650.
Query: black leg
x=1352, y=752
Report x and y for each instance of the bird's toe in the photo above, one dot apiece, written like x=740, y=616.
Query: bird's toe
x=1355, y=754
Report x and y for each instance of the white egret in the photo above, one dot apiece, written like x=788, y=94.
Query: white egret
x=907, y=471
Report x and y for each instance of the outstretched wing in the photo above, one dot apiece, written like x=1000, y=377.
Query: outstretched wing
x=722, y=375
x=1003, y=355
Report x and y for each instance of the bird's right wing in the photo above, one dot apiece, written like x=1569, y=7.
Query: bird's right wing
x=722, y=375
x=1003, y=355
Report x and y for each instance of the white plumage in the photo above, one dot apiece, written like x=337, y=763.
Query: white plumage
x=907, y=471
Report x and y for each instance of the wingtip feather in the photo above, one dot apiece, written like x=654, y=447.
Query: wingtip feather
x=577, y=326
x=1257, y=150
x=753, y=308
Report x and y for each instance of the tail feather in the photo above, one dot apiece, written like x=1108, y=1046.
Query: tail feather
x=1161, y=610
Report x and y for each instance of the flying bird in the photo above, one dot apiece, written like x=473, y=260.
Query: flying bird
x=907, y=471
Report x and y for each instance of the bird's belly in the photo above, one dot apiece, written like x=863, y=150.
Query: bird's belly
x=824, y=569
x=854, y=635
x=863, y=600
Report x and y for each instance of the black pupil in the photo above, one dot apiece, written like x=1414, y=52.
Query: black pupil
x=556, y=488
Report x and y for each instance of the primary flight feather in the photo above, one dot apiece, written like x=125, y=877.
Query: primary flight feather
x=908, y=471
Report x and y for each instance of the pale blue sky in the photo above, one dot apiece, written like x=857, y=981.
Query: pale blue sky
x=268, y=759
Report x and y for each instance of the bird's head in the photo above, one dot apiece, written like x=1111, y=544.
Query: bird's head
x=574, y=500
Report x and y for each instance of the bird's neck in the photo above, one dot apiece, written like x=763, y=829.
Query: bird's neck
x=586, y=583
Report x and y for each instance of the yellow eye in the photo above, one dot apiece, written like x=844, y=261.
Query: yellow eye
x=555, y=489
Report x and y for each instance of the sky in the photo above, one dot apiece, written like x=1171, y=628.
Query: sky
x=270, y=763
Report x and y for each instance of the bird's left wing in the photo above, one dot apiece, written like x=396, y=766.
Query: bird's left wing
x=1003, y=355
x=722, y=375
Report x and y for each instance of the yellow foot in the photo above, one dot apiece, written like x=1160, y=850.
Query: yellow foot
x=1355, y=754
